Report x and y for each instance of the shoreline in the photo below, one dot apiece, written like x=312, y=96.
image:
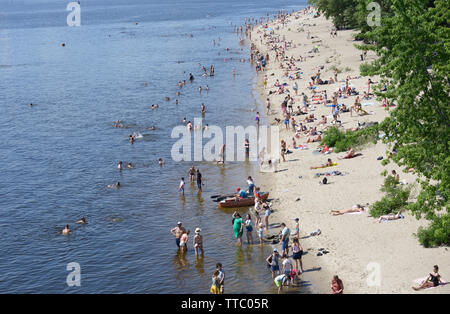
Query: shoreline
x=360, y=248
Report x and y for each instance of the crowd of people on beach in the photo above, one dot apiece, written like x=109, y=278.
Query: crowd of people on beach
x=296, y=116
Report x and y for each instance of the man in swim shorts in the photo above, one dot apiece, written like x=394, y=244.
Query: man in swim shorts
x=178, y=232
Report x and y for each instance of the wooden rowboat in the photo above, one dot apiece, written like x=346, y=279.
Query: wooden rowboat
x=250, y=201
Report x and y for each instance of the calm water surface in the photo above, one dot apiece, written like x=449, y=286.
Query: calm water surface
x=59, y=155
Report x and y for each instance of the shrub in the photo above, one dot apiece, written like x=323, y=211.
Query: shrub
x=365, y=68
x=437, y=233
x=395, y=199
x=342, y=141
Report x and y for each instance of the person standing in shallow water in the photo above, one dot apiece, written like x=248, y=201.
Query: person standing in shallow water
x=199, y=180
x=177, y=232
x=238, y=228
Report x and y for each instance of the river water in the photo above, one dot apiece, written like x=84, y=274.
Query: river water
x=60, y=154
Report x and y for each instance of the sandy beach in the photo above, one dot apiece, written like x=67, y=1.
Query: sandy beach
x=370, y=257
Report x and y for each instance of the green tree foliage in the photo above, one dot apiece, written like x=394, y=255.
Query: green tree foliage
x=341, y=11
x=413, y=49
x=395, y=199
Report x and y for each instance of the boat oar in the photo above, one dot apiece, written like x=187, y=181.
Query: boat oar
x=222, y=196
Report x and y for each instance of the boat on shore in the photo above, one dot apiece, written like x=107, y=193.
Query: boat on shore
x=242, y=202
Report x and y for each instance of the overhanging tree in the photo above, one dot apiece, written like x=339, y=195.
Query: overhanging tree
x=413, y=49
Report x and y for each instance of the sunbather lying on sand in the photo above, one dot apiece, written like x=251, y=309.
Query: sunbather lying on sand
x=350, y=154
x=318, y=138
x=391, y=217
x=328, y=164
x=355, y=209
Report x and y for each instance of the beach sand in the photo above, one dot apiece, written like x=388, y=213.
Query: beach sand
x=369, y=257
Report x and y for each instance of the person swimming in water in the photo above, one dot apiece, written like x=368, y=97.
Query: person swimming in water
x=81, y=221
x=66, y=230
x=114, y=186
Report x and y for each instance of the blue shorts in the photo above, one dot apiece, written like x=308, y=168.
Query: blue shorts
x=286, y=122
x=274, y=268
x=284, y=245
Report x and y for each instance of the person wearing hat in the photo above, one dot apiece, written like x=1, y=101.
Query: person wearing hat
x=178, y=232
x=198, y=241
x=280, y=281
x=273, y=262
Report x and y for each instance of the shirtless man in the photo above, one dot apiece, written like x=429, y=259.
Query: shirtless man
x=178, y=232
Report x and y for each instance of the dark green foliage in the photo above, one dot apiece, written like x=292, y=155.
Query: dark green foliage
x=437, y=233
x=395, y=199
x=413, y=47
x=342, y=141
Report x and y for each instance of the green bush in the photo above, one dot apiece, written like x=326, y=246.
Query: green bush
x=365, y=68
x=342, y=141
x=395, y=199
x=437, y=233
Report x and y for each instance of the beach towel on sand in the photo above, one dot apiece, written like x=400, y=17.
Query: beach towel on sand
x=420, y=281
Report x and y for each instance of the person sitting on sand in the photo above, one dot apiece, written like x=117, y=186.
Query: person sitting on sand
x=390, y=217
x=433, y=280
x=396, y=176
x=355, y=209
x=329, y=163
x=350, y=154
x=323, y=121
x=318, y=138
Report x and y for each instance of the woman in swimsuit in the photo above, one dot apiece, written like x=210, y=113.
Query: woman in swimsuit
x=433, y=280
x=249, y=228
x=183, y=241
x=355, y=209
x=198, y=241
x=297, y=251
